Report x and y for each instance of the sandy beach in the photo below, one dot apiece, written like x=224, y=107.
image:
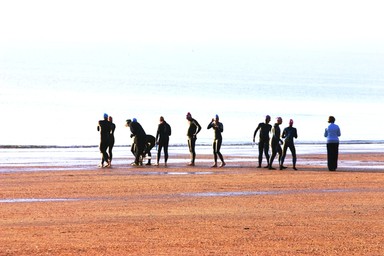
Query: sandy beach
x=179, y=210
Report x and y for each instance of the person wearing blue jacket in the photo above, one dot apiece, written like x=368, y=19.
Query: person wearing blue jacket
x=332, y=133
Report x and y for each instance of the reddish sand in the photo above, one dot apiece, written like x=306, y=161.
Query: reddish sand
x=236, y=210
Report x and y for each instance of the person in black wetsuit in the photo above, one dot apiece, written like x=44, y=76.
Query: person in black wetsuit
x=104, y=127
x=150, y=143
x=265, y=129
x=217, y=141
x=275, y=142
x=193, y=129
x=289, y=133
x=139, y=140
x=162, y=139
x=111, y=141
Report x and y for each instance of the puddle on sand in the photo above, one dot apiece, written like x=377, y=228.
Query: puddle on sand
x=197, y=194
x=169, y=173
x=35, y=200
x=252, y=193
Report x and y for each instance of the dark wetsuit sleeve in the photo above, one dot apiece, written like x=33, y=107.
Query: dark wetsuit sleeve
x=169, y=129
x=113, y=127
x=284, y=134
x=197, y=126
x=258, y=128
x=158, y=132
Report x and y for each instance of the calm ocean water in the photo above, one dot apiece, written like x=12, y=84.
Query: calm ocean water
x=56, y=95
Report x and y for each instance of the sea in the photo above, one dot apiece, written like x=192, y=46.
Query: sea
x=52, y=96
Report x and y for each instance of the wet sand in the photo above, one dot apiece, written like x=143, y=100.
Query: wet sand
x=179, y=210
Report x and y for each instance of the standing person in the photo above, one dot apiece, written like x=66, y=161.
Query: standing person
x=289, y=133
x=104, y=127
x=275, y=142
x=218, y=128
x=265, y=129
x=150, y=143
x=111, y=141
x=193, y=129
x=139, y=140
x=162, y=139
x=332, y=133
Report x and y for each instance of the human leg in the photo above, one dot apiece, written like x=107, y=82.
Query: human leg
x=294, y=158
x=285, y=148
x=159, y=148
x=191, y=144
x=274, y=153
x=266, y=152
x=166, y=151
x=218, y=147
x=261, y=148
x=214, y=146
x=332, y=154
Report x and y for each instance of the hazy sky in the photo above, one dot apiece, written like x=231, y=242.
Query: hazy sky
x=296, y=21
x=26, y=24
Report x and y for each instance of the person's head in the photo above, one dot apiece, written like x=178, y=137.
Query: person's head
x=279, y=120
x=128, y=122
x=331, y=119
x=189, y=116
x=110, y=119
x=134, y=120
x=161, y=119
x=267, y=119
x=290, y=122
x=105, y=116
x=217, y=118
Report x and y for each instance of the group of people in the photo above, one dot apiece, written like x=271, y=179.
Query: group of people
x=332, y=133
x=143, y=143
x=194, y=128
x=289, y=134
x=269, y=136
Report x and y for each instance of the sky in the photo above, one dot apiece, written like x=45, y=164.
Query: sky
x=50, y=24
x=296, y=22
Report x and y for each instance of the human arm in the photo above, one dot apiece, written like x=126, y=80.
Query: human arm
x=197, y=126
x=254, y=134
x=157, y=134
x=211, y=124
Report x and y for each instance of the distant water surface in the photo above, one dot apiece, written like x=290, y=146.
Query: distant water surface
x=55, y=96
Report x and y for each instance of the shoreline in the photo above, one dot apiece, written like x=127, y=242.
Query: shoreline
x=356, y=162
x=177, y=145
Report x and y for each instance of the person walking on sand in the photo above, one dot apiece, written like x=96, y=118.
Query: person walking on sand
x=289, y=133
x=265, y=129
x=162, y=139
x=193, y=129
x=275, y=142
x=111, y=141
x=218, y=128
x=139, y=140
x=104, y=127
x=332, y=133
